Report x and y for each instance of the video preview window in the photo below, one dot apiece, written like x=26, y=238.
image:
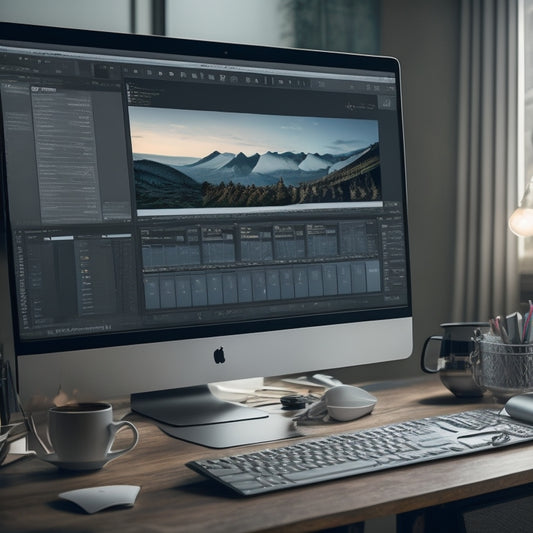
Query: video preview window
x=192, y=159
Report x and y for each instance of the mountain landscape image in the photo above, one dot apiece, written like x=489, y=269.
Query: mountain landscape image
x=320, y=167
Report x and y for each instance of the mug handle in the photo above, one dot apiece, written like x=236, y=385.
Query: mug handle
x=429, y=340
x=114, y=428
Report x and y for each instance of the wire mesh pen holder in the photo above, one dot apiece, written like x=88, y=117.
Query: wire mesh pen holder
x=503, y=369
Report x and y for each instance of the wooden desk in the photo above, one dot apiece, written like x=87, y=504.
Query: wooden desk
x=173, y=498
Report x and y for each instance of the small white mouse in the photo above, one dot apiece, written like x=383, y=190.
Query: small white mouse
x=341, y=403
x=346, y=402
x=521, y=407
x=94, y=499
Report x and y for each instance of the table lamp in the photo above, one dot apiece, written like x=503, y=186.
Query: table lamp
x=521, y=221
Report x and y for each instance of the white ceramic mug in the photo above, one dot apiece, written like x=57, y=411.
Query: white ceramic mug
x=84, y=433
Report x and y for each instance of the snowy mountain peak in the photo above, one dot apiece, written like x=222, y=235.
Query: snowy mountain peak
x=214, y=160
x=314, y=162
x=274, y=162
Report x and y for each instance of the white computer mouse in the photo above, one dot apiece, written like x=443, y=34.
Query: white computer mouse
x=346, y=402
x=94, y=499
x=520, y=407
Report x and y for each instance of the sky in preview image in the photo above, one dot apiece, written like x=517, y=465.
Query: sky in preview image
x=195, y=134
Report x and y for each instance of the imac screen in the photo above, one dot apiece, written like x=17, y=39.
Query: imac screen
x=162, y=195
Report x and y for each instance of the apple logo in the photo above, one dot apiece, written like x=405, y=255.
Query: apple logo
x=219, y=355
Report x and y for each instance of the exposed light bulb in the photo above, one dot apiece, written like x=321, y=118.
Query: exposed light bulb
x=521, y=221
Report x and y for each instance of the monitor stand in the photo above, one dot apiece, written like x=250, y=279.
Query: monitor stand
x=194, y=414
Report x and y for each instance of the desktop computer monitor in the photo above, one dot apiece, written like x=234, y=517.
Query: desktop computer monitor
x=178, y=212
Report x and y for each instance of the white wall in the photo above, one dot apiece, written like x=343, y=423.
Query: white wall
x=244, y=21
x=109, y=15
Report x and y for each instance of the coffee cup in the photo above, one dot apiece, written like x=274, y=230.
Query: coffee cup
x=83, y=434
x=449, y=355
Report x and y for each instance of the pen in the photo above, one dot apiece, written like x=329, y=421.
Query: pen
x=502, y=327
x=525, y=329
x=528, y=334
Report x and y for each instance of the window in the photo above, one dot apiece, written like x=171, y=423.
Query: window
x=526, y=132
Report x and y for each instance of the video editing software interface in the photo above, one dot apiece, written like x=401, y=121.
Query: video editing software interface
x=148, y=193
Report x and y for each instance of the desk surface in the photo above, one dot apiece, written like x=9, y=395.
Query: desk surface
x=175, y=498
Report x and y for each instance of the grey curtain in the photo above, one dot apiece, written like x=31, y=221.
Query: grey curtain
x=486, y=261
